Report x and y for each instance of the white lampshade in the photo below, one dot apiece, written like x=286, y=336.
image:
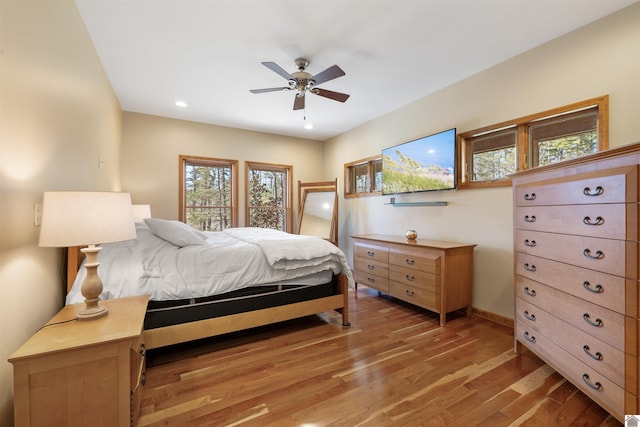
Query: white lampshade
x=77, y=218
x=140, y=212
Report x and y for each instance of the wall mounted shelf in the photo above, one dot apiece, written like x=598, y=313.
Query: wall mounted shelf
x=400, y=204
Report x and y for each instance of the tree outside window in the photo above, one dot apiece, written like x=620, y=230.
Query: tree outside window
x=208, y=193
x=268, y=196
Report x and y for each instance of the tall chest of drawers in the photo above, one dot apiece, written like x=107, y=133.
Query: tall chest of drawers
x=432, y=274
x=576, y=273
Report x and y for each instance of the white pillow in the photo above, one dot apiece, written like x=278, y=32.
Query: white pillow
x=176, y=232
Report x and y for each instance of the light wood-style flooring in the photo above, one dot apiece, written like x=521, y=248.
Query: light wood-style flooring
x=395, y=366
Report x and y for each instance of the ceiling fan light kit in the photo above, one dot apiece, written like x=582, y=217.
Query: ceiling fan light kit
x=302, y=82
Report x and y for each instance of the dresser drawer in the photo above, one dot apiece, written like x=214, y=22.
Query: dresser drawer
x=421, y=296
x=592, y=383
x=415, y=278
x=371, y=280
x=613, y=292
x=373, y=252
x=425, y=263
x=371, y=267
x=617, y=257
x=616, y=185
x=594, y=353
x=604, y=324
x=612, y=221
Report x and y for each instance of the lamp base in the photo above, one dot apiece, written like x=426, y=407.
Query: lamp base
x=92, y=286
x=91, y=313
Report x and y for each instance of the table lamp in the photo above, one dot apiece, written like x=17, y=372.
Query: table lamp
x=77, y=218
x=140, y=212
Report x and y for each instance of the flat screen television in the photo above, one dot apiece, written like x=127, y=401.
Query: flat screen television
x=424, y=164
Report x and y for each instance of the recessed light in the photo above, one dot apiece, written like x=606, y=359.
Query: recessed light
x=181, y=104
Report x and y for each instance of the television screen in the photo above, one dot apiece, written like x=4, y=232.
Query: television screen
x=425, y=164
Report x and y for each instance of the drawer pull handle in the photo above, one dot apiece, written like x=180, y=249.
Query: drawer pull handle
x=530, y=292
x=371, y=267
x=596, y=386
x=143, y=380
x=597, y=356
x=143, y=350
x=531, y=196
x=531, y=218
x=529, y=338
x=371, y=253
x=409, y=261
x=370, y=279
x=530, y=243
x=529, y=267
x=598, y=255
x=410, y=293
x=598, y=221
x=587, y=191
x=529, y=316
x=409, y=278
x=598, y=323
x=598, y=289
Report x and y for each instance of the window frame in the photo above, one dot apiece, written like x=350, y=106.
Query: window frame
x=349, y=170
x=288, y=170
x=207, y=162
x=522, y=143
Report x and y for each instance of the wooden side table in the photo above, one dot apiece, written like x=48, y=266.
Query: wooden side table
x=82, y=373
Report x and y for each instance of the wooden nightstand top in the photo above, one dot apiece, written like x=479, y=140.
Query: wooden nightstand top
x=124, y=321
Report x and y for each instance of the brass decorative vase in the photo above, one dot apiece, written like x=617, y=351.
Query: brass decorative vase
x=411, y=234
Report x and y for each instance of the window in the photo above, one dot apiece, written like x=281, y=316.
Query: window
x=363, y=177
x=269, y=194
x=208, y=193
x=564, y=137
x=493, y=155
x=489, y=155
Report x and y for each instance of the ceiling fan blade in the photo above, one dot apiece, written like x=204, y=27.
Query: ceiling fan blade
x=269, y=89
x=278, y=69
x=336, y=96
x=330, y=73
x=298, y=103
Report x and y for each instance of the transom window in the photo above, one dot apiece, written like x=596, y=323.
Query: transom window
x=489, y=155
x=493, y=154
x=363, y=177
x=563, y=137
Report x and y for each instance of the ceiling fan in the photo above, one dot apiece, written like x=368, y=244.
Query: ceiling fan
x=302, y=82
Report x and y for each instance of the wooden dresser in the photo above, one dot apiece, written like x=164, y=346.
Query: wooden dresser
x=82, y=373
x=432, y=274
x=576, y=272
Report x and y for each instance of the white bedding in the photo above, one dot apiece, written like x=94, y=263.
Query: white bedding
x=228, y=260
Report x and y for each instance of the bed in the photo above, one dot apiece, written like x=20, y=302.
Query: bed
x=203, y=284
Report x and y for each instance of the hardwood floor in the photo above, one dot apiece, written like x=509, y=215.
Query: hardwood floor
x=395, y=366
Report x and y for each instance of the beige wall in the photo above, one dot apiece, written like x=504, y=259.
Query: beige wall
x=151, y=146
x=602, y=58
x=58, y=116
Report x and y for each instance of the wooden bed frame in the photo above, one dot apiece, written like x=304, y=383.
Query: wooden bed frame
x=168, y=335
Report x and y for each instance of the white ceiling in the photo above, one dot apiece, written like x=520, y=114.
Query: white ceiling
x=208, y=52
